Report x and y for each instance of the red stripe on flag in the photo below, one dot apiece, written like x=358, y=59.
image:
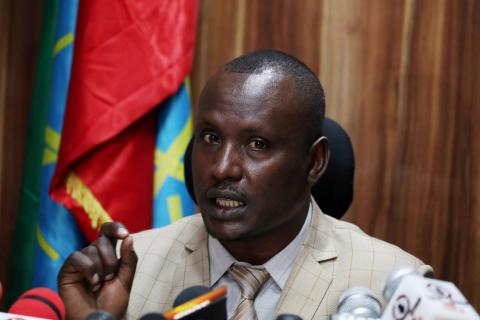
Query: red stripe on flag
x=129, y=56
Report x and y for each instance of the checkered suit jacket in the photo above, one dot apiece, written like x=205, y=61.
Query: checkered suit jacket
x=335, y=256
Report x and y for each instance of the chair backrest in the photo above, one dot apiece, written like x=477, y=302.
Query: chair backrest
x=334, y=191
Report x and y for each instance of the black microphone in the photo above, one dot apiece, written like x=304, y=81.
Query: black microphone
x=100, y=315
x=199, y=303
x=190, y=294
x=152, y=316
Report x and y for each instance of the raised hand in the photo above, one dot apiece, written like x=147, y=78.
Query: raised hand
x=94, y=278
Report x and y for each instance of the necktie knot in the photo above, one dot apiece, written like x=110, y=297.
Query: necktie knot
x=249, y=279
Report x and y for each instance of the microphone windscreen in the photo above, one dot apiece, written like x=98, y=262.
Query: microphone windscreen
x=189, y=294
x=199, y=302
x=40, y=303
x=100, y=315
x=152, y=316
x=360, y=302
x=393, y=279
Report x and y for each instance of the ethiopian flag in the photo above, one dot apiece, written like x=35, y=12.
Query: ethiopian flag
x=129, y=57
x=110, y=119
x=46, y=232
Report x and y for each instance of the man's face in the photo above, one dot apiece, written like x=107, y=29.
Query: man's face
x=250, y=157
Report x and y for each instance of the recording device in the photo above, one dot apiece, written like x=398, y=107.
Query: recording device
x=411, y=296
x=11, y=316
x=393, y=279
x=198, y=303
x=190, y=294
x=288, y=317
x=358, y=303
x=36, y=303
x=152, y=316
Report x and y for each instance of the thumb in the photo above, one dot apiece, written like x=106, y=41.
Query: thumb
x=128, y=262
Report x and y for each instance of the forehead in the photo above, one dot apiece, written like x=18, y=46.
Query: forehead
x=267, y=97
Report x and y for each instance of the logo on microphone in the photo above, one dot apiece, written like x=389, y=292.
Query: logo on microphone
x=441, y=293
x=403, y=307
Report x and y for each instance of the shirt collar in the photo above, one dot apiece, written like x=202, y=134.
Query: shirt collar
x=279, y=266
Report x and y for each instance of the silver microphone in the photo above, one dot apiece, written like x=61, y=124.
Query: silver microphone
x=393, y=279
x=358, y=303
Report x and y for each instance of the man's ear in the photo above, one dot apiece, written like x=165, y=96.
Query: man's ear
x=319, y=155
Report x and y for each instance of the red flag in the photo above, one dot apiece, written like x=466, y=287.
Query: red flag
x=129, y=56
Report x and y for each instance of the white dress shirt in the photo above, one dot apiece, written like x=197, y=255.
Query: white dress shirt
x=279, y=267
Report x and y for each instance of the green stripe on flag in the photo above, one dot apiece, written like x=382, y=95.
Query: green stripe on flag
x=22, y=262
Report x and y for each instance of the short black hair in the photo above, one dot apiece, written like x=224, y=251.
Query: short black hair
x=307, y=86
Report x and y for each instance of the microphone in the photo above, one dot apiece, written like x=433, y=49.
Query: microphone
x=411, y=296
x=394, y=278
x=190, y=294
x=152, y=316
x=199, y=302
x=11, y=316
x=358, y=303
x=38, y=303
x=100, y=315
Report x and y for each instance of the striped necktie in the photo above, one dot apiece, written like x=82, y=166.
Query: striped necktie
x=250, y=280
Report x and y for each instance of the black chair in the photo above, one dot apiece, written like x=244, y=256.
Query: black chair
x=334, y=190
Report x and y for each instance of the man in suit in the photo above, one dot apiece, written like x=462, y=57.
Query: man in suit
x=258, y=149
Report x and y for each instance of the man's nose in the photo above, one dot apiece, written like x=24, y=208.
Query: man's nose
x=227, y=164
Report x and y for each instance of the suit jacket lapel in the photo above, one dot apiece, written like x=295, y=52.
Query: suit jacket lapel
x=193, y=269
x=312, y=272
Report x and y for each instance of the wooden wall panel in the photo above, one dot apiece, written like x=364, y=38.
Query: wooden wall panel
x=401, y=77
x=19, y=32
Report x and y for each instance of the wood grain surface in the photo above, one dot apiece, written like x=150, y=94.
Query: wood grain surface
x=19, y=33
x=401, y=76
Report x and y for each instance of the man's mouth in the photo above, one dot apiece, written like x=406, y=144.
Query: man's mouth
x=226, y=203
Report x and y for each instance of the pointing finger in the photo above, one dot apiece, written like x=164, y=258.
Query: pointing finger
x=114, y=231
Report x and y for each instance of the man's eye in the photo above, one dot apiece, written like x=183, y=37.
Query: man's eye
x=258, y=144
x=211, y=138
